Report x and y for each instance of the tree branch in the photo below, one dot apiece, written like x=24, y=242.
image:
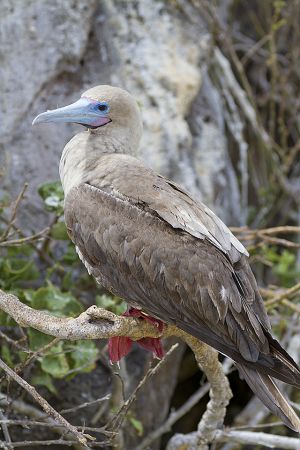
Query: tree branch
x=97, y=323
x=81, y=438
x=220, y=395
x=180, y=412
x=94, y=323
x=5, y=431
x=12, y=219
x=189, y=441
x=42, y=418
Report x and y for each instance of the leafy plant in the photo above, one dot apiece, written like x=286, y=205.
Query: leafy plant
x=53, y=197
x=284, y=265
x=48, y=269
x=113, y=304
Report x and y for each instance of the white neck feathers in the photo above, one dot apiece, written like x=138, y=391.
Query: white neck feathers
x=81, y=155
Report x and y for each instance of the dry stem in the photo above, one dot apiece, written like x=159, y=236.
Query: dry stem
x=12, y=219
x=188, y=442
x=94, y=323
x=97, y=323
x=81, y=438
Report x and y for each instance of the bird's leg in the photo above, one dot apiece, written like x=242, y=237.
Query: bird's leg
x=120, y=346
x=134, y=312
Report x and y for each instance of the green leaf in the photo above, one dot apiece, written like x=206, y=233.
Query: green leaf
x=279, y=5
x=113, y=304
x=3, y=319
x=56, y=363
x=17, y=269
x=70, y=257
x=28, y=295
x=276, y=26
x=84, y=354
x=22, y=355
x=18, y=250
x=52, y=269
x=37, y=339
x=137, y=425
x=51, y=299
x=6, y=355
x=67, y=281
x=59, y=231
x=53, y=196
x=44, y=379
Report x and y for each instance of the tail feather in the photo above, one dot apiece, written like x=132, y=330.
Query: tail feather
x=277, y=363
x=281, y=355
x=266, y=390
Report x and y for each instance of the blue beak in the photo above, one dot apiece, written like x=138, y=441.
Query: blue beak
x=85, y=112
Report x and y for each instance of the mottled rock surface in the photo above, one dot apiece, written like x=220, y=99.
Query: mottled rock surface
x=53, y=50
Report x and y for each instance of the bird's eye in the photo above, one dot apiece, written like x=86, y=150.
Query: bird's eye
x=103, y=108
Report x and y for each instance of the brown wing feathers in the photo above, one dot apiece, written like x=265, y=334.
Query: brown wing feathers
x=179, y=279
x=149, y=241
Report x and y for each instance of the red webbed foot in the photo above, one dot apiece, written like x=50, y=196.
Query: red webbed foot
x=120, y=346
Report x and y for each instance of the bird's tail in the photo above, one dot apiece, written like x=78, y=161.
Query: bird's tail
x=267, y=391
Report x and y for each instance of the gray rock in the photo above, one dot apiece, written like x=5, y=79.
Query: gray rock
x=53, y=50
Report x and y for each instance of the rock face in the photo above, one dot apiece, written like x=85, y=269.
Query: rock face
x=53, y=50
x=41, y=45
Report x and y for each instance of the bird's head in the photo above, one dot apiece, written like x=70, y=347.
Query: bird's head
x=103, y=109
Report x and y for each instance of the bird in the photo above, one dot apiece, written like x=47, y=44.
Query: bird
x=149, y=241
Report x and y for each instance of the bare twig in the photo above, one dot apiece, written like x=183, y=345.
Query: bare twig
x=220, y=395
x=291, y=305
x=86, y=404
x=283, y=295
x=81, y=438
x=184, y=442
x=220, y=392
x=180, y=412
x=30, y=423
x=117, y=420
x=51, y=442
x=12, y=219
x=254, y=48
x=277, y=241
x=34, y=355
x=14, y=343
x=25, y=240
x=5, y=430
x=266, y=235
x=250, y=437
x=21, y=407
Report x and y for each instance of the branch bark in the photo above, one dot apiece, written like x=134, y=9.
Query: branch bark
x=188, y=442
x=97, y=323
x=43, y=419
x=81, y=438
x=94, y=323
x=220, y=395
x=180, y=412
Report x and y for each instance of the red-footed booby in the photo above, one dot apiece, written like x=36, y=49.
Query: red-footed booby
x=148, y=241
